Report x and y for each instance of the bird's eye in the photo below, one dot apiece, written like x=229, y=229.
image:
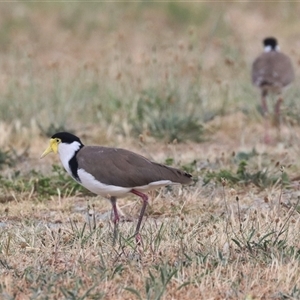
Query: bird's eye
x=57, y=140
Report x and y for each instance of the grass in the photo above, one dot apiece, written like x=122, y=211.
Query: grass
x=268, y=176
x=176, y=257
x=170, y=81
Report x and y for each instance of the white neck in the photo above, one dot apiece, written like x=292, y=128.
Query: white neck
x=269, y=48
x=66, y=152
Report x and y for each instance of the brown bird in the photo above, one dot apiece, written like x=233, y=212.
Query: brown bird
x=271, y=72
x=113, y=172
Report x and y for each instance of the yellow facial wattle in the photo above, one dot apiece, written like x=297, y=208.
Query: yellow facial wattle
x=53, y=147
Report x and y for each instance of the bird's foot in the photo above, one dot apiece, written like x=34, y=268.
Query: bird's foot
x=267, y=139
x=138, y=239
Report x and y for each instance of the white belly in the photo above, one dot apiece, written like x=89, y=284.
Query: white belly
x=89, y=182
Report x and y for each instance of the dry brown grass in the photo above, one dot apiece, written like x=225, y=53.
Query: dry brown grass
x=85, y=67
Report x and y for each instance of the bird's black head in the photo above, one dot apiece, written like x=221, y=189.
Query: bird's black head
x=66, y=137
x=270, y=42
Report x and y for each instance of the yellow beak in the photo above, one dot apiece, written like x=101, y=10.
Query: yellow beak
x=53, y=147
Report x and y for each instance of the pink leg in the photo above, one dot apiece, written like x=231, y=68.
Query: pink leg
x=145, y=202
x=267, y=138
x=116, y=217
x=277, y=111
x=264, y=105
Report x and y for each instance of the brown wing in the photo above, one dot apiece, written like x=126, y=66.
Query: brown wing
x=273, y=69
x=124, y=168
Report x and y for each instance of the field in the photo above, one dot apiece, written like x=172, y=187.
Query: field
x=170, y=81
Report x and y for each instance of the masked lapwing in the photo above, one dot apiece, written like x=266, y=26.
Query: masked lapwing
x=113, y=172
x=271, y=72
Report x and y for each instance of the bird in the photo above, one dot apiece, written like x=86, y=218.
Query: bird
x=271, y=72
x=113, y=172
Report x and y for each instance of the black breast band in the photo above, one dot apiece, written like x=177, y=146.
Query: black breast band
x=74, y=166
